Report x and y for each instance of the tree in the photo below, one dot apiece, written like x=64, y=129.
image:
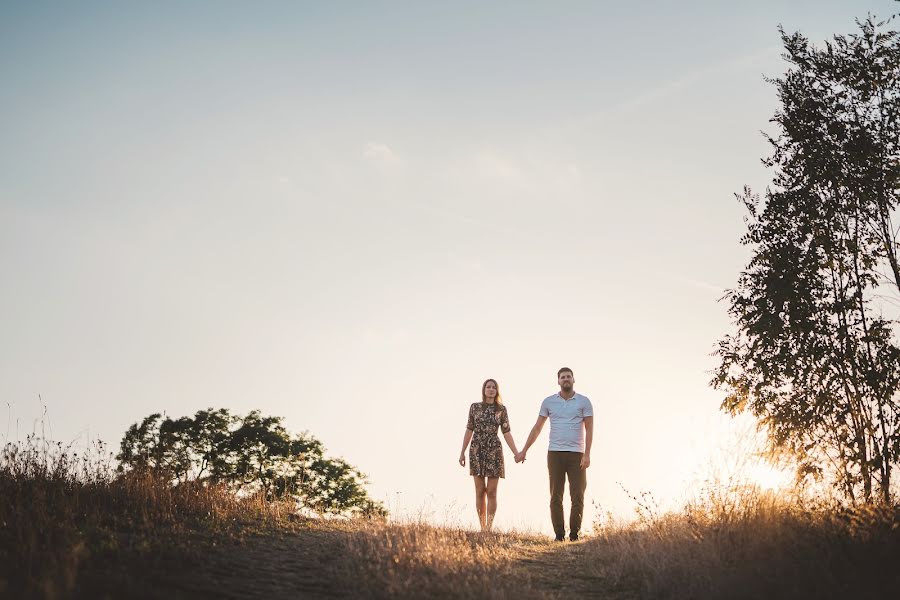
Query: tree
x=249, y=454
x=209, y=443
x=815, y=356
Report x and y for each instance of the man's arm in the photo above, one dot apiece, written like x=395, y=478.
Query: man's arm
x=535, y=432
x=588, y=440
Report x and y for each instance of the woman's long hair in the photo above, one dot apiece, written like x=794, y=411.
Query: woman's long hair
x=498, y=401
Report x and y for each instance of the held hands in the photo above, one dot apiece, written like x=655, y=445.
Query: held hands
x=520, y=457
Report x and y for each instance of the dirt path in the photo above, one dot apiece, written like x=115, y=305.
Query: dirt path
x=567, y=570
x=281, y=564
x=308, y=562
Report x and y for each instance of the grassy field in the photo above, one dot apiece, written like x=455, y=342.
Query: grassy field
x=72, y=527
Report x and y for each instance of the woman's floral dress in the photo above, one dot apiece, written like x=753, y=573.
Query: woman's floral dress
x=486, y=453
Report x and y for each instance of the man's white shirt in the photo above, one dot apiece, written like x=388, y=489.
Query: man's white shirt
x=566, y=421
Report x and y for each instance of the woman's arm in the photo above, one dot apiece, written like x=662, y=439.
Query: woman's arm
x=462, y=453
x=510, y=442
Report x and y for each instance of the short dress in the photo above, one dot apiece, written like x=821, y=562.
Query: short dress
x=486, y=453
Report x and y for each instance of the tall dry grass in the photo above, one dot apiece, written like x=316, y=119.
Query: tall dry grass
x=70, y=519
x=743, y=542
x=64, y=513
x=418, y=560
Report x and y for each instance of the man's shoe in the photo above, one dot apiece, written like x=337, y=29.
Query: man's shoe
x=573, y=537
x=560, y=538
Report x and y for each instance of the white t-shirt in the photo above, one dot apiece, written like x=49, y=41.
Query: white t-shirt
x=566, y=421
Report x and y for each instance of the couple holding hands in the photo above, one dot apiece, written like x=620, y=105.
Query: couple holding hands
x=571, y=433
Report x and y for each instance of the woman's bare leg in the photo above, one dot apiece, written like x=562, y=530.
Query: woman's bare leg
x=491, y=493
x=480, y=489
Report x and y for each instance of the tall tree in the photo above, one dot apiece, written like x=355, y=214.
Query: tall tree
x=815, y=354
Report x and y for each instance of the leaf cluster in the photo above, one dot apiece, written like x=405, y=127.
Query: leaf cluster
x=250, y=454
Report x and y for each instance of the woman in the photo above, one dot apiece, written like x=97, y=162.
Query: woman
x=486, y=452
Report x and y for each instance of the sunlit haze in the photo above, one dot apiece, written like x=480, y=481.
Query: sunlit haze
x=350, y=215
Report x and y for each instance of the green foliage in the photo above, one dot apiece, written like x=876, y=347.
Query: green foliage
x=249, y=454
x=814, y=356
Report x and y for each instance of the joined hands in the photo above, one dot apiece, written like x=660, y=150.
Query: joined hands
x=520, y=457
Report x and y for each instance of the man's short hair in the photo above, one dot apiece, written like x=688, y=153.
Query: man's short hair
x=563, y=370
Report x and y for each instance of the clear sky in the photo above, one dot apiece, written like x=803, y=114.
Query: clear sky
x=350, y=215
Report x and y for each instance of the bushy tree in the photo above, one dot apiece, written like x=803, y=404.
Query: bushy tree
x=250, y=454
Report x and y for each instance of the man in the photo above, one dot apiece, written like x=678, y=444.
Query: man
x=571, y=434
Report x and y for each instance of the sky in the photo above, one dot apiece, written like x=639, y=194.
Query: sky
x=351, y=214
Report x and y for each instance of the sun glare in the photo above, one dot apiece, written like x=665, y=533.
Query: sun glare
x=767, y=477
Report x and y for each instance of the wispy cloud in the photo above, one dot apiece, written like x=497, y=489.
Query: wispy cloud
x=382, y=155
x=491, y=165
x=667, y=89
x=703, y=285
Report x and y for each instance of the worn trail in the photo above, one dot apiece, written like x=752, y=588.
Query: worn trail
x=309, y=562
